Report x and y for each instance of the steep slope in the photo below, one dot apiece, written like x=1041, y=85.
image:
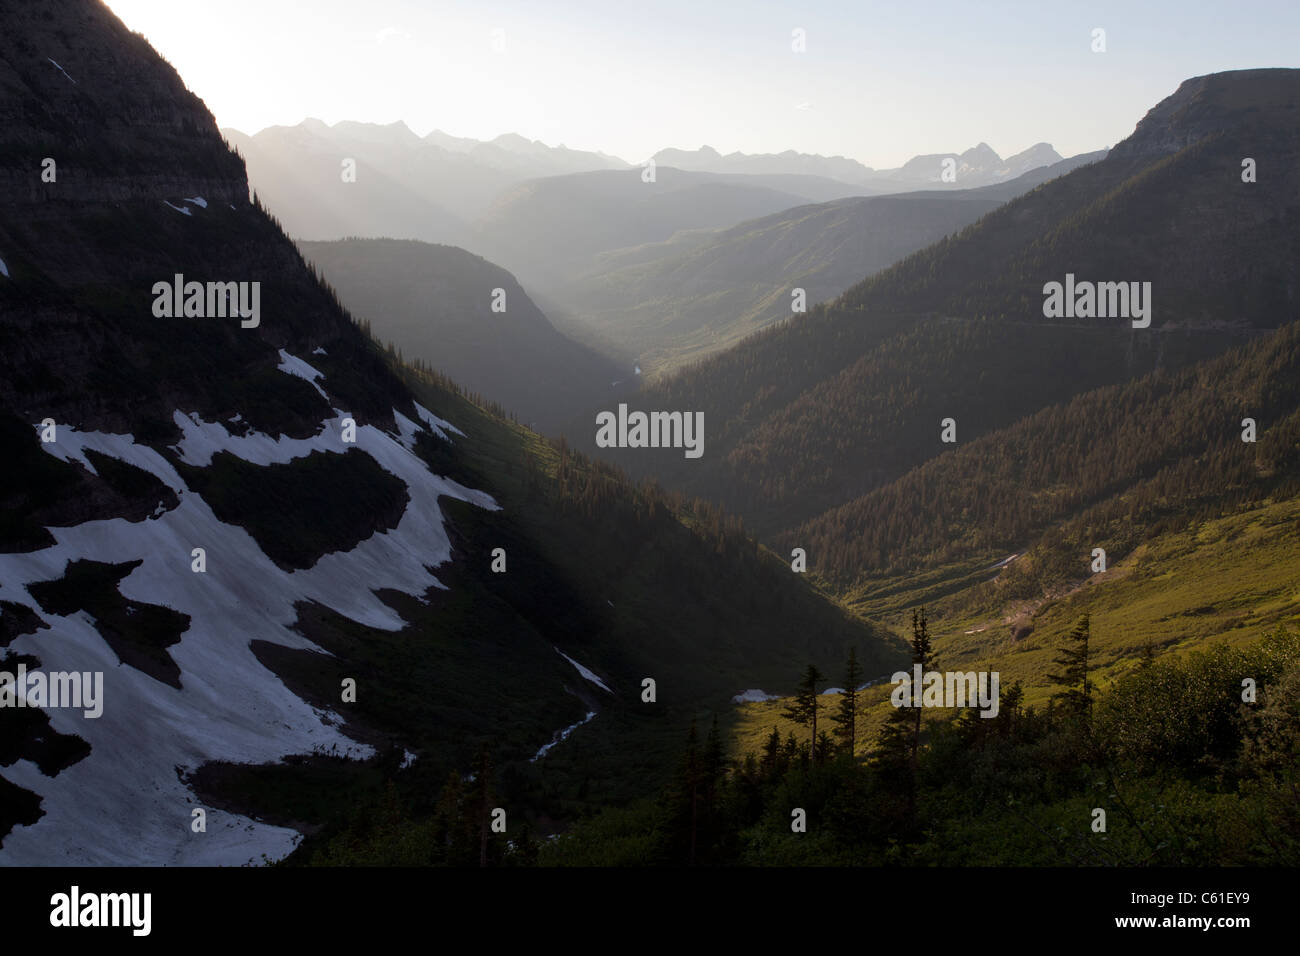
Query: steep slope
x=1197, y=525
x=821, y=409
x=681, y=300
x=435, y=304
x=1105, y=469
x=232, y=518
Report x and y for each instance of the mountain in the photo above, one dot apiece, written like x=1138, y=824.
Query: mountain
x=1113, y=533
x=820, y=410
x=405, y=187
x=301, y=172
x=532, y=159
x=666, y=304
x=547, y=229
x=274, y=544
x=789, y=163
x=1094, y=476
x=978, y=166
x=435, y=303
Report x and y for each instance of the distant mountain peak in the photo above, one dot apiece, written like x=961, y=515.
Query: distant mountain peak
x=515, y=141
x=981, y=154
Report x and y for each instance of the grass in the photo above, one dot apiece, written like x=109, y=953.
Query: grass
x=1228, y=581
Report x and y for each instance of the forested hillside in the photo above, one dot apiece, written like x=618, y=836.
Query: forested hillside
x=821, y=409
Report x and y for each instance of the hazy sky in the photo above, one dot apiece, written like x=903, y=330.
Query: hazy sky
x=879, y=82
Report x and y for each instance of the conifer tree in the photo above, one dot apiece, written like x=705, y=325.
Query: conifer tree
x=450, y=839
x=900, y=739
x=1076, y=694
x=771, y=763
x=1008, y=718
x=846, y=717
x=483, y=782
x=804, y=708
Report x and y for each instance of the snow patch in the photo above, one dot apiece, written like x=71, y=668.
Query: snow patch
x=319, y=351
x=408, y=758
x=124, y=803
x=560, y=735
x=297, y=367
x=585, y=672
x=4, y=269
x=61, y=70
x=183, y=210
x=436, y=423
x=198, y=201
x=406, y=430
x=753, y=696
x=1004, y=562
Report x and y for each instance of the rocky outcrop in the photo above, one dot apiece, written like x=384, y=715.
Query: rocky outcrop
x=1206, y=105
x=77, y=87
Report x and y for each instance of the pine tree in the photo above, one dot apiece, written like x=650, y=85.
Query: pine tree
x=804, y=708
x=483, y=781
x=770, y=766
x=900, y=739
x=1073, y=677
x=525, y=850
x=1008, y=719
x=846, y=717
x=450, y=839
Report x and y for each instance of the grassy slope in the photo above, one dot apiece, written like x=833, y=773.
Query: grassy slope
x=1228, y=580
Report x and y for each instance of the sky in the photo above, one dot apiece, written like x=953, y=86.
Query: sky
x=878, y=82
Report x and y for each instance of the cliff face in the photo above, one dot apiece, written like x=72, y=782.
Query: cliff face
x=1206, y=105
x=78, y=87
x=142, y=187
x=170, y=433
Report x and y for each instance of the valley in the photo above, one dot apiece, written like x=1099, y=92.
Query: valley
x=358, y=508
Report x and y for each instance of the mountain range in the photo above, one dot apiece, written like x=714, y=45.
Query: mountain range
x=303, y=477
x=277, y=544
x=669, y=303
x=978, y=166
x=820, y=409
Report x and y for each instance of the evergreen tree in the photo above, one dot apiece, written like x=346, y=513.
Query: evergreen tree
x=770, y=765
x=1009, y=711
x=804, y=708
x=679, y=806
x=899, y=746
x=525, y=849
x=1073, y=678
x=846, y=717
x=452, y=843
x=483, y=803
